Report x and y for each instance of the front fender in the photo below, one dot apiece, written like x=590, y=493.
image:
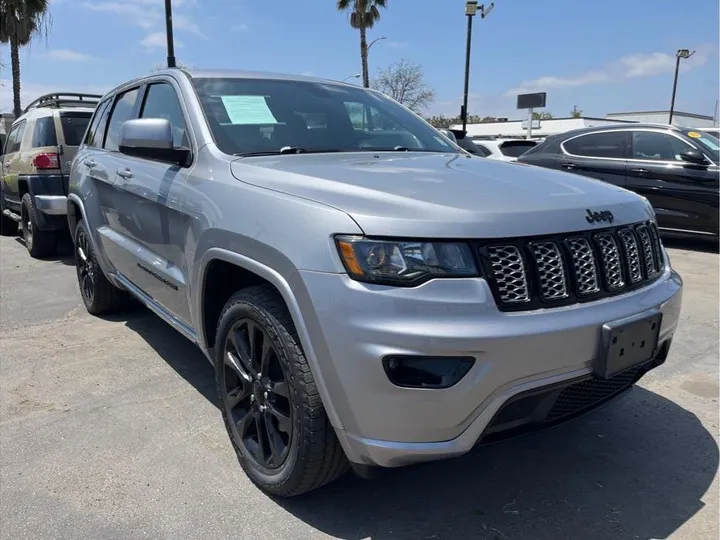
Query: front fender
x=285, y=290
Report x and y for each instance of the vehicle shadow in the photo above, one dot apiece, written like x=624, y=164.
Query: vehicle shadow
x=638, y=468
x=179, y=353
x=64, y=253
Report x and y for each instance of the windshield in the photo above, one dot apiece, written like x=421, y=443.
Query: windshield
x=265, y=116
x=709, y=144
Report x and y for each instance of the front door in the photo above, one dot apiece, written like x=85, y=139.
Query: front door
x=149, y=229
x=684, y=195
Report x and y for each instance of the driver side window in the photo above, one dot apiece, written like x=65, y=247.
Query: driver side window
x=651, y=145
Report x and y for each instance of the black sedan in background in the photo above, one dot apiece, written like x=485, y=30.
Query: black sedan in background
x=676, y=169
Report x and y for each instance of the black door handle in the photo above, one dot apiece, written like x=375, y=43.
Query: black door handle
x=639, y=171
x=568, y=166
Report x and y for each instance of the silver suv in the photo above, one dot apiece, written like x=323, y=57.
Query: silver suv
x=369, y=294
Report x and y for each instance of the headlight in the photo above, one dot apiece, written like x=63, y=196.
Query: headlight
x=404, y=262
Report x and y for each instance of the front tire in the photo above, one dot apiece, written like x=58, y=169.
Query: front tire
x=39, y=243
x=99, y=295
x=268, y=397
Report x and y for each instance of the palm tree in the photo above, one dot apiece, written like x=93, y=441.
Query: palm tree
x=20, y=22
x=364, y=14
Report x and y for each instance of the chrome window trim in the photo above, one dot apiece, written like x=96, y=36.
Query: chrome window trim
x=634, y=160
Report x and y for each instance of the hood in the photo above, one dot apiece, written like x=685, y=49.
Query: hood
x=443, y=195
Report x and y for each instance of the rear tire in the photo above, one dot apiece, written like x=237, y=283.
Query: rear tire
x=39, y=243
x=99, y=295
x=284, y=440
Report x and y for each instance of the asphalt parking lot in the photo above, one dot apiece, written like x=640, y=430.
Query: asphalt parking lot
x=109, y=429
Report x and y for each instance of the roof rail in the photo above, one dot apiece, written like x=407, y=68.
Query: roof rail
x=65, y=99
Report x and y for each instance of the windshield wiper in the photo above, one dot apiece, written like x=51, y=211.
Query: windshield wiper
x=285, y=150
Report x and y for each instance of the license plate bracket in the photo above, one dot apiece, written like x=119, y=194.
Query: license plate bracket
x=627, y=343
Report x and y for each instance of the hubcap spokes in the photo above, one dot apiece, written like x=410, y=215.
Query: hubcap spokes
x=85, y=268
x=256, y=395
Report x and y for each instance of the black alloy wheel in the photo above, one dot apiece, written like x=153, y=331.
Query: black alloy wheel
x=256, y=395
x=86, y=267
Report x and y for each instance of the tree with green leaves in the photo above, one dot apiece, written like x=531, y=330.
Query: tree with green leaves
x=542, y=116
x=20, y=22
x=363, y=15
x=576, y=113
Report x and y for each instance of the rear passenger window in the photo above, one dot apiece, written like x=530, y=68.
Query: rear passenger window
x=73, y=127
x=612, y=144
x=96, y=132
x=123, y=110
x=44, y=133
x=161, y=101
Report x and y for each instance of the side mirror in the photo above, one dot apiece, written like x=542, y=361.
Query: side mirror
x=694, y=156
x=151, y=138
x=449, y=134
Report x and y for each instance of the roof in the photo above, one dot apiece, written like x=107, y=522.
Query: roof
x=675, y=113
x=618, y=127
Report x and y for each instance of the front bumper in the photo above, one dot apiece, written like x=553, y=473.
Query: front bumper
x=353, y=325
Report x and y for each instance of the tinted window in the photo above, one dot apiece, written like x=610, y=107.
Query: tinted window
x=15, y=138
x=657, y=146
x=123, y=111
x=260, y=116
x=605, y=145
x=161, y=101
x=44, y=133
x=74, y=126
x=96, y=131
x=516, y=148
x=482, y=149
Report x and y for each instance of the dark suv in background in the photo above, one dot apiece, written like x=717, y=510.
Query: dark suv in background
x=676, y=169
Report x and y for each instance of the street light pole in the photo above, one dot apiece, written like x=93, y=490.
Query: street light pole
x=355, y=76
x=681, y=53
x=471, y=8
x=169, y=34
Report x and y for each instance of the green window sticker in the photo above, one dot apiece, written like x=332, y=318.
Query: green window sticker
x=248, y=110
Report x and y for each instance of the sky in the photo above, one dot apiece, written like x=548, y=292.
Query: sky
x=603, y=57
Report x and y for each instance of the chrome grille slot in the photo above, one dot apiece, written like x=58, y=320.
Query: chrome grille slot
x=610, y=255
x=583, y=258
x=647, y=250
x=551, y=272
x=632, y=255
x=655, y=239
x=509, y=273
x=558, y=270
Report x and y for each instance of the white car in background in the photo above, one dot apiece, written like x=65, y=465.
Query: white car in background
x=504, y=149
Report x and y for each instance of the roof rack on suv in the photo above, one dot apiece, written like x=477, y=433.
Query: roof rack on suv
x=65, y=99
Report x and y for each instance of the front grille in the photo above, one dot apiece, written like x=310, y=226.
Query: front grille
x=585, y=394
x=550, y=405
x=563, y=269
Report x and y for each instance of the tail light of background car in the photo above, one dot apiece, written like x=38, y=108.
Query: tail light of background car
x=47, y=161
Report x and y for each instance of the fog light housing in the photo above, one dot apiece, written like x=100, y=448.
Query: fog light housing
x=426, y=371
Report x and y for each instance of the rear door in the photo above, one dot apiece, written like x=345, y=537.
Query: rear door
x=601, y=155
x=684, y=195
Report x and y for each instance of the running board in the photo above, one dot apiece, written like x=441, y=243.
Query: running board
x=156, y=308
x=12, y=215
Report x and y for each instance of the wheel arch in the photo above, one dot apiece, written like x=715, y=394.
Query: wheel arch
x=257, y=273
